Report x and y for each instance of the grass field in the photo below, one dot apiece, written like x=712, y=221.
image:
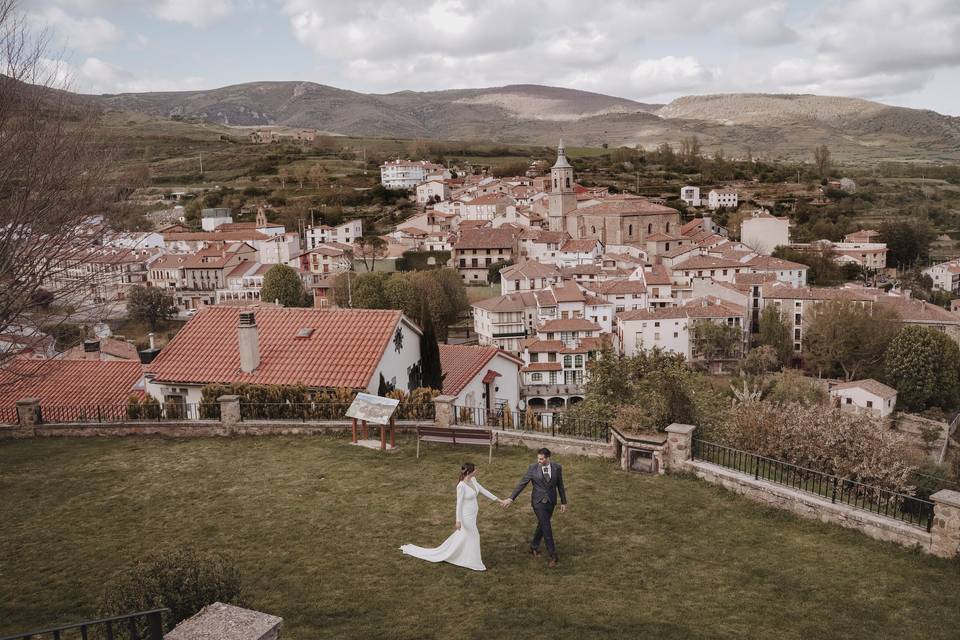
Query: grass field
x=315, y=525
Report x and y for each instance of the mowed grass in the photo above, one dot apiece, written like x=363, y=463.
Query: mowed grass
x=315, y=525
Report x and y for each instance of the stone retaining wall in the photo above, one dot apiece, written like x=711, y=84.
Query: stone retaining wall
x=557, y=445
x=811, y=506
x=195, y=429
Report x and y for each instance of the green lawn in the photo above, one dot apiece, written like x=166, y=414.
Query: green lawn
x=315, y=524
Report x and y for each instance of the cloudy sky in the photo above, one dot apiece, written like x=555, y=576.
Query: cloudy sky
x=904, y=52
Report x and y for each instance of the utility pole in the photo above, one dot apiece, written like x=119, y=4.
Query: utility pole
x=201, y=163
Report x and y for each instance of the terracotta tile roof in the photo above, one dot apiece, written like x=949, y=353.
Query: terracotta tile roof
x=869, y=385
x=568, y=324
x=626, y=207
x=769, y=262
x=509, y=302
x=707, y=307
x=781, y=291
x=657, y=275
x=88, y=383
x=918, y=311
x=579, y=246
x=663, y=237
x=543, y=366
x=679, y=251
x=492, y=198
x=568, y=292
x=530, y=269
x=119, y=349
x=461, y=363
x=474, y=224
x=343, y=351
x=502, y=238
x=213, y=236
x=706, y=262
x=754, y=278
x=619, y=287
x=691, y=226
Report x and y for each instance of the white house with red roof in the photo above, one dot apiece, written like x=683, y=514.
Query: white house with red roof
x=318, y=348
x=867, y=395
x=764, y=232
x=478, y=376
x=671, y=328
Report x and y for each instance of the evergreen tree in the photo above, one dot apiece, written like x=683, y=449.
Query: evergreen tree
x=282, y=283
x=923, y=364
x=432, y=374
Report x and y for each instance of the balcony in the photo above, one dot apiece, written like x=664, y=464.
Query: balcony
x=510, y=334
x=547, y=389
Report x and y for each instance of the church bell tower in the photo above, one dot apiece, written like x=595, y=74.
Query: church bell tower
x=562, y=200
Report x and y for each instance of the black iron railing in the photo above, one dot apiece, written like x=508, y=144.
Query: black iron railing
x=106, y=413
x=906, y=508
x=142, y=625
x=304, y=411
x=554, y=424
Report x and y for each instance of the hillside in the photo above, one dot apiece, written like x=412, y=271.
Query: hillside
x=785, y=126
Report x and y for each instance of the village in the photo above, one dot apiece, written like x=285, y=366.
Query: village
x=460, y=320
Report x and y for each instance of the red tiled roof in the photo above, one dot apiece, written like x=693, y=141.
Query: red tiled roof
x=568, y=324
x=869, y=385
x=502, y=238
x=343, y=351
x=579, y=246
x=461, y=363
x=119, y=349
x=212, y=236
x=626, y=206
x=90, y=383
x=543, y=366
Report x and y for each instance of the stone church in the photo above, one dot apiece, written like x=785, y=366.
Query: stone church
x=614, y=219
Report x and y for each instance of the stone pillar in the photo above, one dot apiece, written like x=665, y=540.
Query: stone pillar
x=443, y=411
x=219, y=621
x=28, y=413
x=679, y=446
x=229, y=410
x=946, y=523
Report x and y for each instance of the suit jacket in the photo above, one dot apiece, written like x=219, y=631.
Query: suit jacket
x=544, y=491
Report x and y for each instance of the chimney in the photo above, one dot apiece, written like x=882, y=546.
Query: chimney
x=153, y=345
x=249, y=342
x=91, y=349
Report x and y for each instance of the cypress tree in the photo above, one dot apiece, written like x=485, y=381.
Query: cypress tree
x=431, y=372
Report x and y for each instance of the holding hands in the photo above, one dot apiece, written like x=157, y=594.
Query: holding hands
x=506, y=503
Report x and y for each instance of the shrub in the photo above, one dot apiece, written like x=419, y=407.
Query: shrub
x=182, y=580
x=821, y=438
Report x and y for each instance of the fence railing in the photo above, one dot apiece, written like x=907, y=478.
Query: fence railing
x=146, y=412
x=8, y=415
x=173, y=411
x=898, y=506
x=554, y=424
x=142, y=625
x=304, y=411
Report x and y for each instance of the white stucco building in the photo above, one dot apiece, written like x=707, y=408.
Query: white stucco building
x=722, y=198
x=763, y=232
x=865, y=395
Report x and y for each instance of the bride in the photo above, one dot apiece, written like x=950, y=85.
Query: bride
x=462, y=548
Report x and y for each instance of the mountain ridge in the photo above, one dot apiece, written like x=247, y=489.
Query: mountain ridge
x=784, y=125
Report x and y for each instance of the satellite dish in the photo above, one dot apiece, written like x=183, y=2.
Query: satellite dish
x=102, y=330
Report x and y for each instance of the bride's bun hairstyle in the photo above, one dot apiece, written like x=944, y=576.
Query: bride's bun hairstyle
x=466, y=469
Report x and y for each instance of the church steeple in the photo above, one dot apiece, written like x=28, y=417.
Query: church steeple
x=561, y=162
x=562, y=198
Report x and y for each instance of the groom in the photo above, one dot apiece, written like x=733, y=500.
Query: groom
x=547, y=479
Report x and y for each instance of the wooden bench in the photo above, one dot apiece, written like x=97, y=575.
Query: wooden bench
x=456, y=435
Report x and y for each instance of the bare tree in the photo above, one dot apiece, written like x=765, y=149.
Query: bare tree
x=821, y=157
x=54, y=175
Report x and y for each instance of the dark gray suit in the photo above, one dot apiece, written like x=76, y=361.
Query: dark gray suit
x=544, y=500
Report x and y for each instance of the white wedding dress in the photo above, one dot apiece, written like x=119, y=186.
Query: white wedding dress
x=462, y=548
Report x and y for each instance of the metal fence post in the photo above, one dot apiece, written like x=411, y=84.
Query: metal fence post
x=99, y=414
x=833, y=496
x=155, y=625
x=756, y=467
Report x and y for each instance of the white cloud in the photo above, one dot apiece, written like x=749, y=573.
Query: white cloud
x=198, y=13
x=668, y=75
x=84, y=34
x=765, y=26
x=94, y=75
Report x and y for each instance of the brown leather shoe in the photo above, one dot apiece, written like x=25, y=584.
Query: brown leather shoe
x=534, y=552
x=553, y=561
